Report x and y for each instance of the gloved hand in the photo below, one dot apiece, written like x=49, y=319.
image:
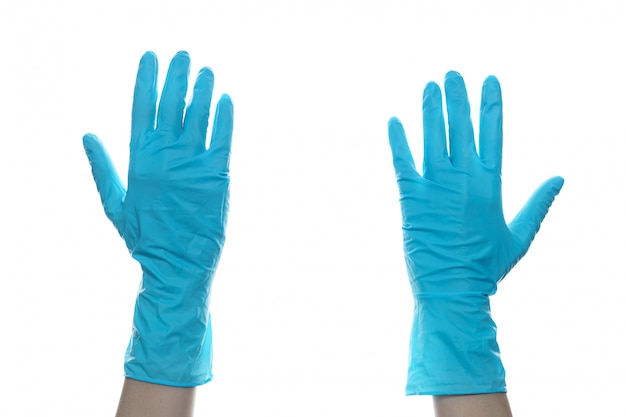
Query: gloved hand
x=172, y=218
x=457, y=244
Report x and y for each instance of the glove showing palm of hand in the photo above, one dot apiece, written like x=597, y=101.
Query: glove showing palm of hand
x=456, y=241
x=172, y=218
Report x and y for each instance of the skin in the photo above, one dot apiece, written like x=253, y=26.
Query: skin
x=479, y=405
x=142, y=399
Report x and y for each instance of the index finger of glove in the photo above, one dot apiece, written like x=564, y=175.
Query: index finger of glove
x=402, y=159
x=222, y=135
x=435, y=148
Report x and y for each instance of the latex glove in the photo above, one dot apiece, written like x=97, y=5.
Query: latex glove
x=457, y=244
x=172, y=218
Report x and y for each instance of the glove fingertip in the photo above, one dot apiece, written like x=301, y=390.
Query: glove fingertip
x=551, y=188
x=393, y=121
x=149, y=55
x=225, y=105
x=395, y=130
x=557, y=183
x=96, y=153
x=88, y=141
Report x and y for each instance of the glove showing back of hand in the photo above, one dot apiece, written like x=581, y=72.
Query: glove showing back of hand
x=457, y=244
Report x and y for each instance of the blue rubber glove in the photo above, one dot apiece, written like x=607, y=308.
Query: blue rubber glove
x=457, y=244
x=172, y=218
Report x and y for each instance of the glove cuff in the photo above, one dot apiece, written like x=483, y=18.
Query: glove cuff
x=453, y=348
x=171, y=341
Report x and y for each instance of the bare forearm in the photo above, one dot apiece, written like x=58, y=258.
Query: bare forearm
x=478, y=405
x=143, y=399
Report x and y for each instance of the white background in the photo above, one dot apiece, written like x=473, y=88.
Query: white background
x=311, y=304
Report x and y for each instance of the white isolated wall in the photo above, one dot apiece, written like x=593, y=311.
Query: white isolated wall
x=311, y=304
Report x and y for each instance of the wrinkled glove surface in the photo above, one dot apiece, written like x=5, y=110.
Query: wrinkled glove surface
x=172, y=218
x=457, y=244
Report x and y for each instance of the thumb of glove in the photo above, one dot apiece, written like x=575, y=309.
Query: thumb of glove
x=527, y=222
x=110, y=187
